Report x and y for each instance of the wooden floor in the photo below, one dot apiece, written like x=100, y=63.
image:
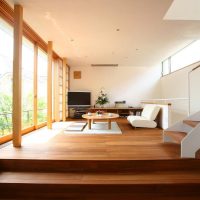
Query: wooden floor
x=133, y=165
x=132, y=144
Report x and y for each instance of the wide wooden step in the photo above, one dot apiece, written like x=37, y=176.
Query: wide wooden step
x=169, y=177
x=177, y=137
x=191, y=123
x=32, y=165
x=170, y=185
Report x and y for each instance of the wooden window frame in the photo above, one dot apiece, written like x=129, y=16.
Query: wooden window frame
x=7, y=14
x=64, y=90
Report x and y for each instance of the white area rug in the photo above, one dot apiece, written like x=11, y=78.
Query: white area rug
x=97, y=128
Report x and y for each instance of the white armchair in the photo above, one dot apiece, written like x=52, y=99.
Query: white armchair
x=146, y=120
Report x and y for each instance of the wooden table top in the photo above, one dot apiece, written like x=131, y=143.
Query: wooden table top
x=102, y=116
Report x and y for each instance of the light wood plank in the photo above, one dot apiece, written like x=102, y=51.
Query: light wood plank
x=56, y=92
x=68, y=77
x=17, y=75
x=68, y=88
x=49, y=85
x=169, y=177
x=64, y=90
x=6, y=138
x=175, y=135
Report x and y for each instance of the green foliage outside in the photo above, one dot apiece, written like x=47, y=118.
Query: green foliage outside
x=42, y=110
x=5, y=114
x=27, y=114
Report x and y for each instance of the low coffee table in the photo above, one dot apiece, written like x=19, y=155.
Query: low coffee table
x=104, y=116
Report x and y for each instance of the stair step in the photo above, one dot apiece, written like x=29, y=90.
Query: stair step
x=191, y=123
x=98, y=186
x=31, y=165
x=170, y=177
x=176, y=136
x=197, y=155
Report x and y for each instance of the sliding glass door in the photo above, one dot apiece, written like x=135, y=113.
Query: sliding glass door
x=42, y=87
x=60, y=81
x=27, y=83
x=33, y=80
x=6, y=75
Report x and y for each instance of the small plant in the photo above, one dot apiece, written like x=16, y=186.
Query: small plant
x=102, y=99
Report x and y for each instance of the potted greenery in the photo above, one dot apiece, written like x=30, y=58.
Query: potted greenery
x=102, y=99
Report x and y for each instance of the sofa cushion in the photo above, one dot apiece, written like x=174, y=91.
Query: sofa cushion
x=143, y=123
x=140, y=121
x=131, y=118
x=150, y=111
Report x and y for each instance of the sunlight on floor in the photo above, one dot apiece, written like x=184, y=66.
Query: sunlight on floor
x=43, y=135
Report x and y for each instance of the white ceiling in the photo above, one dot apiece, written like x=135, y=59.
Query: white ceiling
x=84, y=31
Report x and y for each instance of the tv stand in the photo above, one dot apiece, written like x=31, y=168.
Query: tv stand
x=77, y=112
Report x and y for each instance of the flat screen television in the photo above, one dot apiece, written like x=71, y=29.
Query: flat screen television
x=79, y=98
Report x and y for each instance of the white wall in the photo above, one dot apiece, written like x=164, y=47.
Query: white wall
x=132, y=84
x=175, y=85
x=195, y=91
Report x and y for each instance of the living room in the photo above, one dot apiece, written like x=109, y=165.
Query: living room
x=139, y=56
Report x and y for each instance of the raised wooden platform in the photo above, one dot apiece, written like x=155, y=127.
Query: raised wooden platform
x=134, y=165
x=133, y=144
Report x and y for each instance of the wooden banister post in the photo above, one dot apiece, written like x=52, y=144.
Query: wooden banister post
x=64, y=90
x=68, y=88
x=17, y=73
x=56, y=92
x=49, y=85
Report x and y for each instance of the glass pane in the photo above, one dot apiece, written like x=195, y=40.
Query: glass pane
x=165, y=67
x=6, y=75
x=27, y=83
x=60, y=115
x=42, y=87
x=194, y=91
x=186, y=56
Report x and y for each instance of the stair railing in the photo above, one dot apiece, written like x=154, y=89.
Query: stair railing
x=191, y=143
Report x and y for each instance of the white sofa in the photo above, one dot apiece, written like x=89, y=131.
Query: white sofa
x=146, y=120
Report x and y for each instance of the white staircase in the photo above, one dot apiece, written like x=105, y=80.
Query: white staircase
x=187, y=134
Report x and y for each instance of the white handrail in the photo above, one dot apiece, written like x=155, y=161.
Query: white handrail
x=168, y=99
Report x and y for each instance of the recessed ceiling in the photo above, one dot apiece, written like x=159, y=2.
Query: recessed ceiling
x=127, y=32
x=184, y=10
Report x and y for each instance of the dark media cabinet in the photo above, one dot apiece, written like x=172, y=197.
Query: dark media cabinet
x=77, y=112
